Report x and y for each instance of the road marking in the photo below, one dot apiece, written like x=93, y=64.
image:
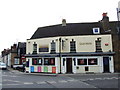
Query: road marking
x=51, y=82
x=11, y=80
x=28, y=83
x=62, y=81
x=72, y=80
x=41, y=82
x=91, y=79
x=10, y=84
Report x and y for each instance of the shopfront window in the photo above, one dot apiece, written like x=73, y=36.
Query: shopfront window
x=39, y=61
x=92, y=61
x=34, y=61
x=46, y=61
x=82, y=61
x=88, y=61
x=49, y=61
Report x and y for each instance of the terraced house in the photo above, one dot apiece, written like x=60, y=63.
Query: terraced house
x=74, y=48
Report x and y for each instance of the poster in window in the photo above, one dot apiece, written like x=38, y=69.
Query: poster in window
x=82, y=61
x=40, y=61
x=52, y=61
x=46, y=61
x=34, y=61
x=92, y=61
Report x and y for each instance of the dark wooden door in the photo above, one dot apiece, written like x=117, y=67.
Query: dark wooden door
x=69, y=65
x=106, y=64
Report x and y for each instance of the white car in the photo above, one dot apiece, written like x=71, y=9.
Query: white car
x=3, y=66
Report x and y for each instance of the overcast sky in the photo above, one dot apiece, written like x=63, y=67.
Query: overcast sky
x=19, y=19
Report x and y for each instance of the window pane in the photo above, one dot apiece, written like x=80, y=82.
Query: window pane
x=52, y=61
x=82, y=61
x=92, y=61
x=34, y=61
x=46, y=61
x=39, y=61
x=16, y=61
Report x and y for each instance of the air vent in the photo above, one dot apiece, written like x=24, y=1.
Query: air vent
x=96, y=30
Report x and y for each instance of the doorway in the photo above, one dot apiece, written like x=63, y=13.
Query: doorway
x=106, y=64
x=69, y=65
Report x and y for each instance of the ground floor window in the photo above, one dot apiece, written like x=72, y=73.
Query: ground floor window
x=82, y=61
x=45, y=61
x=92, y=61
x=87, y=61
x=16, y=61
x=49, y=61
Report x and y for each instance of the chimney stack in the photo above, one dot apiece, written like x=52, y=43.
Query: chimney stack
x=63, y=22
x=105, y=22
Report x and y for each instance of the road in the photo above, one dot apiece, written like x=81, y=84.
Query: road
x=97, y=81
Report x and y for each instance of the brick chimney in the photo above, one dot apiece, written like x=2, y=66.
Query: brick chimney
x=63, y=22
x=105, y=22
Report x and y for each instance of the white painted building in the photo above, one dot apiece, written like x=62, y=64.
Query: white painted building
x=70, y=48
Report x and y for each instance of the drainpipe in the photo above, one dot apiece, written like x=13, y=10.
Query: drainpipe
x=60, y=53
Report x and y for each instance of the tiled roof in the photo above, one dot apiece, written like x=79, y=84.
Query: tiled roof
x=71, y=29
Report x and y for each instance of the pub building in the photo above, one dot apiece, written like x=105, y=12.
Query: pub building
x=71, y=48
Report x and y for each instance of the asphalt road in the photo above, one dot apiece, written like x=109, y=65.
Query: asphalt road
x=97, y=81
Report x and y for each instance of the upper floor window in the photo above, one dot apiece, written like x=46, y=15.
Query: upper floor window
x=98, y=45
x=34, y=48
x=72, y=46
x=53, y=47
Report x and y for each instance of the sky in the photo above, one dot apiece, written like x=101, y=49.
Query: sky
x=19, y=19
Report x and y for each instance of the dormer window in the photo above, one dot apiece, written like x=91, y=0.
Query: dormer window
x=96, y=30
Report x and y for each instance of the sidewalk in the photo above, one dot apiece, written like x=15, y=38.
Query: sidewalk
x=51, y=74
x=41, y=74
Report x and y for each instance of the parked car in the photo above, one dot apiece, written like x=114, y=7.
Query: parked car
x=3, y=66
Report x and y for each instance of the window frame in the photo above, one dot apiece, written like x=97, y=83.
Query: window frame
x=16, y=60
x=72, y=46
x=97, y=62
x=78, y=61
x=93, y=59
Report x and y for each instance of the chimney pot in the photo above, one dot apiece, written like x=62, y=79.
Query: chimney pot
x=63, y=22
x=104, y=14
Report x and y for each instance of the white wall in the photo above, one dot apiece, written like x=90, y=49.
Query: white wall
x=81, y=45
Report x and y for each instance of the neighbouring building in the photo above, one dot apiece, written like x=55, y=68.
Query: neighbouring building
x=9, y=54
x=14, y=57
x=19, y=60
x=74, y=48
